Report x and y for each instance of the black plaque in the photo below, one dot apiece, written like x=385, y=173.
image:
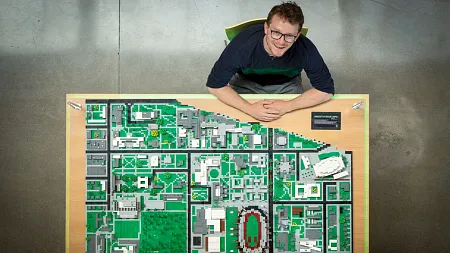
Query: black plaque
x=326, y=121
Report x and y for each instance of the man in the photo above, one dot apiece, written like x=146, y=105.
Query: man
x=269, y=59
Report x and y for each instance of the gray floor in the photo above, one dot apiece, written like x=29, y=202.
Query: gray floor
x=397, y=51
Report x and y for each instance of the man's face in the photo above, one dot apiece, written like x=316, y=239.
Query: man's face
x=279, y=26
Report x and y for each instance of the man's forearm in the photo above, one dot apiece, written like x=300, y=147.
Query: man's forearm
x=230, y=97
x=309, y=98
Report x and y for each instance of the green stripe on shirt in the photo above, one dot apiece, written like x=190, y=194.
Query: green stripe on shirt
x=271, y=71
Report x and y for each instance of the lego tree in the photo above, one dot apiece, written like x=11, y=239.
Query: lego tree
x=163, y=232
x=282, y=132
x=280, y=183
x=256, y=127
x=225, y=157
x=154, y=133
x=345, y=160
x=159, y=121
x=125, y=188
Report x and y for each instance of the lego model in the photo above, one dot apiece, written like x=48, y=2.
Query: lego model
x=166, y=177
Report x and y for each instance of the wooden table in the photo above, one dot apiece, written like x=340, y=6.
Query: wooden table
x=353, y=136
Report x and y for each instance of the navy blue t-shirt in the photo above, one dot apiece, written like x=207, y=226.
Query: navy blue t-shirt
x=246, y=55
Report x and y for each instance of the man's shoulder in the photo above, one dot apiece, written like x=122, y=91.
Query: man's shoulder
x=252, y=31
x=304, y=42
x=248, y=38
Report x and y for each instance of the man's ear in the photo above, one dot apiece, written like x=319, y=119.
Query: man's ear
x=298, y=35
x=266, y=28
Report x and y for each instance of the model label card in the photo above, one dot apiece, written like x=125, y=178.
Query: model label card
x=326, y=121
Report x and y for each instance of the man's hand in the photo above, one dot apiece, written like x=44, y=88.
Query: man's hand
x=269, y=110
x=281, y=106
x=260, y=111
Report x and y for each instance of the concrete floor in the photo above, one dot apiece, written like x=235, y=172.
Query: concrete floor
x=398, y=51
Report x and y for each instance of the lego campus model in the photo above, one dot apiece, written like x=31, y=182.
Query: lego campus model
x=166, y=177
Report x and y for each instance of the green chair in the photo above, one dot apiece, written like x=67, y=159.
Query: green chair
x=232, y=31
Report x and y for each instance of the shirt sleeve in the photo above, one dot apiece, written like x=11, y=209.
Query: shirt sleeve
x=316, y=69
x=225, y=67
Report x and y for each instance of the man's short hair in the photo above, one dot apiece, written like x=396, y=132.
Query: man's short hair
x=290, y=11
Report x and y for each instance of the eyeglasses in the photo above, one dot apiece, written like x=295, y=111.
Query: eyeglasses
x=277, y=35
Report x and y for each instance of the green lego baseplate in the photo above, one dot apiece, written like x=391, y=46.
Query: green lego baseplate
x=166, y=177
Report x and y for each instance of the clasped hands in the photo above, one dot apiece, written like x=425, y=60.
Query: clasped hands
x=269, y=110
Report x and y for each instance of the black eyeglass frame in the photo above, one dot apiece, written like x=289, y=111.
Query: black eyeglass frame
x=282, y=35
